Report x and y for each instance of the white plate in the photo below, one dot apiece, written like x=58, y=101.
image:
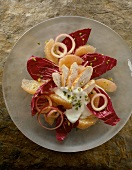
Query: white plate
x=18, y=102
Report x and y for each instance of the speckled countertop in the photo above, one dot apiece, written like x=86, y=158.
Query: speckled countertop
x=18, y=152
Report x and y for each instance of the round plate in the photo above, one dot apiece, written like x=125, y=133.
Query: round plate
x=18, y=101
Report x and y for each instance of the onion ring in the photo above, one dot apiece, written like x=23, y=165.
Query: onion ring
x=61, y=54
x=44, y=97
x=103, y=106
x=46, y=108
x=72, y=40
x=58, y=51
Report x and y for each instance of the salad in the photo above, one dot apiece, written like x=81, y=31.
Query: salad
x=66, y=88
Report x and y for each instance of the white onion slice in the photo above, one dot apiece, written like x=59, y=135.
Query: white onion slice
x=53, y=114
x=42, y=111
x=72, y=40
x=43, y=97
x=103, y=106
x=58, y=44
x=58, y=51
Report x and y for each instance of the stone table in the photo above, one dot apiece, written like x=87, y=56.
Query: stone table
x=18, y=152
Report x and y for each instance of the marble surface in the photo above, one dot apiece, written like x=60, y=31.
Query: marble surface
x=18, y=152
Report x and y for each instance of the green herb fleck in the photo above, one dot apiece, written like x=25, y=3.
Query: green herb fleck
x=34, y=59
x=76, y=108
x=39, y=79
x=46, y=41
x=69, y=89
x=91, y=64
x=64, y=93
x=68, y=96
x=72, y=97
x=38, y=43
x=79, y=89
x=68, y=123
x=79, y=104
x=110, y=78
x=81, y=83
x=107, y=61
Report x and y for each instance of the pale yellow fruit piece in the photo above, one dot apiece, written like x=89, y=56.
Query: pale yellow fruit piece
x=96, y=100
x=84, y=50
x=68, y=60
x=87, y=122
x=59, y=101
x=30, y=86
x=107, y=85
x=47, y=50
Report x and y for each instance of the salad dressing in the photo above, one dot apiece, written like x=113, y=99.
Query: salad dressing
x=78, y=98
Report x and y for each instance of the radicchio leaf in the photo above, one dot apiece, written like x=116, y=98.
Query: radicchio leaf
x=99, y=62
x=46, y=88
x=80, y=37
x=64, y=129
x=41, y=68
x=108, y=115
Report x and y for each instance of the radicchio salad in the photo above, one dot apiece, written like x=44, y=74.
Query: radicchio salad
x=67, y=92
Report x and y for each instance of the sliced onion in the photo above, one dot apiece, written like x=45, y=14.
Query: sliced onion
x=39, y=106
x=72, y=40
x=98, y=87
x=52, y=114
x=103, y=106
x=58, y=44
x=58, y=51
x=51, y=108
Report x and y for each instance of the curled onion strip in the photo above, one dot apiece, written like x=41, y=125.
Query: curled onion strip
x=49, y=102
x=42, y=112
x=53, y=114
x=98, y=87
x=58, y=51
x=72, y=40
x=103, y=106
x=58, y=44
